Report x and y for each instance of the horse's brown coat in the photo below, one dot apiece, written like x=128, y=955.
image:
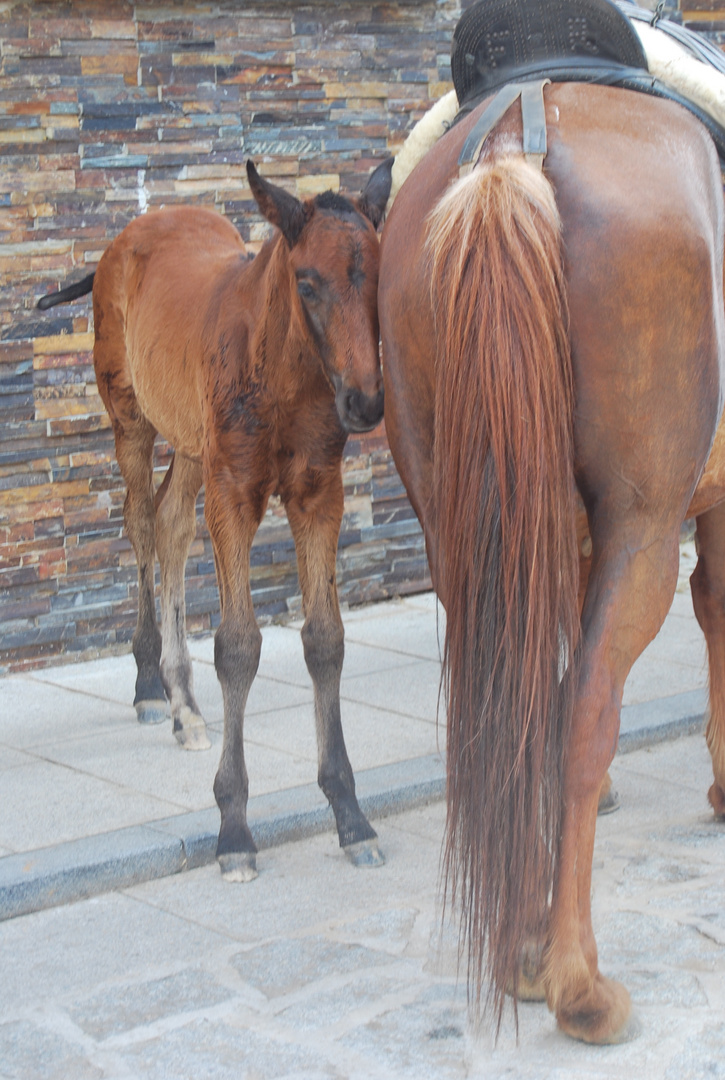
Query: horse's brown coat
x=639, y=195
x=254, y=370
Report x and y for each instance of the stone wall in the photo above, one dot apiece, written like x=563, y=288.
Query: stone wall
x=108, y=107
x=705, y=16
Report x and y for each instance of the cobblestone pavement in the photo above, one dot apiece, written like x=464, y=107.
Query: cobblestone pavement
x=319, y=970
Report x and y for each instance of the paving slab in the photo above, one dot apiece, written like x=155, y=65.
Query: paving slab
x=75, y=766
x=318, y=969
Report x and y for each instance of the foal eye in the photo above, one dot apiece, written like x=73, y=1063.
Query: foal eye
x=306, y=290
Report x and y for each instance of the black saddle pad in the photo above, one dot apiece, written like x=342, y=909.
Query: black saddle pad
x=496, y=39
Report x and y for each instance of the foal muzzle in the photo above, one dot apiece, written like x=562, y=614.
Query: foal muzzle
x=359, y=411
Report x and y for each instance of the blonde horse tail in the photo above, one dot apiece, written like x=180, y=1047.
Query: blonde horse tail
x=506, y=560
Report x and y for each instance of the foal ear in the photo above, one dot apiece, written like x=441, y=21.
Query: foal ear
x=278, y=206
x=374, y=198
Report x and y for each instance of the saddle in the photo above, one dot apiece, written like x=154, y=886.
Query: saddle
x=499, y=42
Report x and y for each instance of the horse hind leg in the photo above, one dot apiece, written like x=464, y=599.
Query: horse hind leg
x=708, y=596
x=631, y=587
x=134, y=450
x=175, y=529
x=608, y=797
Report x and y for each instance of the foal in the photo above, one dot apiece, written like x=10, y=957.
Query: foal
x=255, y=371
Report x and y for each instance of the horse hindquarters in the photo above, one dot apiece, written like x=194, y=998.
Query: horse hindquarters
x=645, y=293
x=162, y=521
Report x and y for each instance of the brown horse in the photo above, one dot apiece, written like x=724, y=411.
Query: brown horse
x=254, y=371
x=546, y=333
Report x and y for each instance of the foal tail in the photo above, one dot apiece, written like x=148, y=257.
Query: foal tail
x=71, y=292
x=506, y=557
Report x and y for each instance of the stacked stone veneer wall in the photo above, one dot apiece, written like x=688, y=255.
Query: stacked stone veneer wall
x=108, y=108
x=705, y=16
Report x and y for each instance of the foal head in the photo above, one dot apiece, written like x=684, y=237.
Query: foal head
x=333, y=256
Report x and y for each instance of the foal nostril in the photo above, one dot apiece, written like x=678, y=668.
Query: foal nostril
x=362, y=411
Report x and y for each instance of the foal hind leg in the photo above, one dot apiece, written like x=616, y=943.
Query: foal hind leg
x=175, y=529
x=708, y=597
x=134, y=450
x=315, y=522
x=629, y=593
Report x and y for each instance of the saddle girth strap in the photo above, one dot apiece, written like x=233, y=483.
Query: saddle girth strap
x=532, y=114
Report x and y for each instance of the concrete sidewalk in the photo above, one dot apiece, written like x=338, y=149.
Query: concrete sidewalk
x=318, y=970
x=321, y=971
x=92, y=801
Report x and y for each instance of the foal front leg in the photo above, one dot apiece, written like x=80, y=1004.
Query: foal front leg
x=233, y=515
x=315, y=522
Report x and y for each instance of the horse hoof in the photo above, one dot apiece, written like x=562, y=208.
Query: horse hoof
x=605, y=1019
x=190, y=731
x=608, y=803
x=238, y=866
x=151, y=712
x=194, y=738
x=716, y=798
x=530, y=982
x=365, y=853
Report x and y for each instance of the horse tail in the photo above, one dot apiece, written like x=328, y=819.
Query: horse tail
x=71, y=292
x=506, y=556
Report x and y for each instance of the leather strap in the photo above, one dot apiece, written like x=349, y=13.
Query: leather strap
x=534, y=119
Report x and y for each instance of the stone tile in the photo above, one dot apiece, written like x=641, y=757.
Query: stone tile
x=651, y=869
x=373, y=736
x=111, y=678
x=423, y=1038
x=648, y=986
x=683, y=762
x=281, y=900
x=147, y=759
x=631, y=940
x=282, y=967
x=118, y=1009
x=652, y=677
x=217, y=1050
x=701, y=1057
x=389, y=930
x=33, y=712
x=65, y=953
x=426, y=601
x=60, y=804
x=399, y=631
x=10, y=758
x=330, y=1010
x=29, y=1051
x=410, y=691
